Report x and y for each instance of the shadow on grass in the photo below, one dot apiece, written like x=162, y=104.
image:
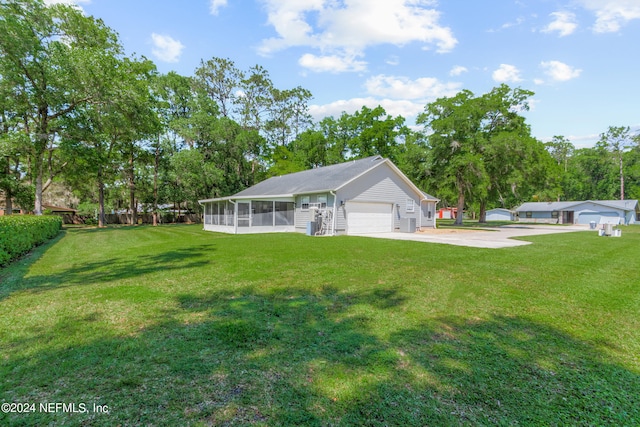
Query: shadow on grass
x=292, y=357
x=112, y=268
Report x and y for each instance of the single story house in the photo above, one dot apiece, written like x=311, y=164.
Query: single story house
x=356, y=197
x=500, y=214
x=580, y=212
x=58, y=210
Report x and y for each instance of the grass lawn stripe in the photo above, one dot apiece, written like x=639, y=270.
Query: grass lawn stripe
x=176, y=326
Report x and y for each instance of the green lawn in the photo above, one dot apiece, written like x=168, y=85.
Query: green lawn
x=176, y=326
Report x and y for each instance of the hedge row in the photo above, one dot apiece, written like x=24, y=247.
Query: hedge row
x=20, y=233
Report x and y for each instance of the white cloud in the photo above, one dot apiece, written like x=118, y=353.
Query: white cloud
x=166, y=48
x=393, y=60
x=559, y=71
x=331, y=63
x=399, y=96
x=216, y=5
x=351, y=26
x=457, y=70
x=403, y=88
x=611, y=15
x=404, y=108
x=563, y=22
x=506, y=74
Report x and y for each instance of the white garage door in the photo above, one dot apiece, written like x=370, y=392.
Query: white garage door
x=587, y=217
x=363, y=218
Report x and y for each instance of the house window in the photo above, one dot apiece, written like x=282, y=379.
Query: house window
x=322, y=201
x=304, y=203
x=554, y=214
x=429, y=213
x=528, y=214
x=411, y=205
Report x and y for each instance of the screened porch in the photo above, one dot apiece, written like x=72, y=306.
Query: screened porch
x=249, y=216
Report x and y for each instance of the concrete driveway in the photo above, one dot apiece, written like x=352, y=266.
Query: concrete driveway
x=499, y=237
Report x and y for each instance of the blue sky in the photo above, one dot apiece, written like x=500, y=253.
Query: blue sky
x=580, y=57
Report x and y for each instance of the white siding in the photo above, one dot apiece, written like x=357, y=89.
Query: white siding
x=302, y=217
x=383, y=185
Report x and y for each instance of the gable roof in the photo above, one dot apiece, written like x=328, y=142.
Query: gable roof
x=626, y=205
x=499, y=210
x=323, y=179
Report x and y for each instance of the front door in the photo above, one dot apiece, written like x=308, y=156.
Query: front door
x=567, y=217
x=244, y=214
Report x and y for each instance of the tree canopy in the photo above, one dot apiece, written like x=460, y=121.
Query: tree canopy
x=76, y=110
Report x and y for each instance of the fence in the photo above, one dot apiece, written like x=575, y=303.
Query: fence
x=168, y=218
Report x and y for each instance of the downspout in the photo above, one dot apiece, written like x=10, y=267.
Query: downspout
x=235, y=216
x=335, y=213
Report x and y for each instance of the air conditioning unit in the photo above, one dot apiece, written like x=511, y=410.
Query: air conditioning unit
x=407, y=225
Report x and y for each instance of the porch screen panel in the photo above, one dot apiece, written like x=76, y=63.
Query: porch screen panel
x=228, y=213
x=207, y=213
x=284, y=213
x=213, y=213
x=262, y=213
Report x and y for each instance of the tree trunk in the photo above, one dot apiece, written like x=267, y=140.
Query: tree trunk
x=483, y=212
x=8, y=205
x=39, y=150
x=132, y=192
x=460, y=212
x=38, y=200
x=101, y=216
x=621, y=179
x=155, y=185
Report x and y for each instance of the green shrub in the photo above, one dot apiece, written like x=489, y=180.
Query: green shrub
x=20, y=233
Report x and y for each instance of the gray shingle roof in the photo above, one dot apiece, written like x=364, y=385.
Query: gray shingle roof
x=544, y=206
x=560, y=206
x=327, y=178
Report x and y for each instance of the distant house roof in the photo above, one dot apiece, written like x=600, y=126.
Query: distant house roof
x=627, y=205
x=58, y=209
x=323, y=179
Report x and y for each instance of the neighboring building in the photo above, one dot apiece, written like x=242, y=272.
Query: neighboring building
x=57, y=210
x=500, y=214
x=580, y=212
x=356, y=197
x=14, y=211
x=447, y=213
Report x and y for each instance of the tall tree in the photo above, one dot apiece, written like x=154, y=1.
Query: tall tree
x=375, y=133
x=453, y=125
x=58, y=58
x=482, y=148
x=616, y=141
x=561, y=149
x=288, y=115
x=220, y=79
x=514, y=161
x=105, y=132
x=175, y=106
x=137, y=109
x=632, y=169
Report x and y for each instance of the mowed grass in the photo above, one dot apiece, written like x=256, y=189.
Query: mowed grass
x=176, y=326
